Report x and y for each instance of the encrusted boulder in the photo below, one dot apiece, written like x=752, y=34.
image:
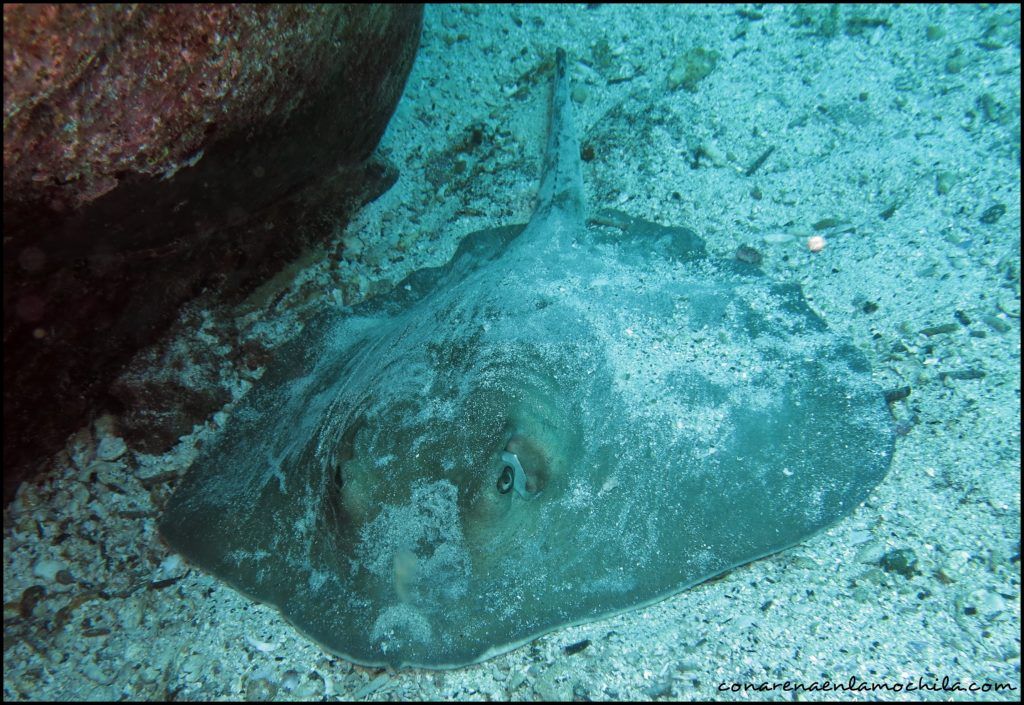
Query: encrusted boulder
x=151, y=151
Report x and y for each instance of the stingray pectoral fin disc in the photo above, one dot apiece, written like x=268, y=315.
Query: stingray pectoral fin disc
x=693, y=417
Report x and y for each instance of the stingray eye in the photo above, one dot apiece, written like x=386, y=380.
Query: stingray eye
x=505, y=479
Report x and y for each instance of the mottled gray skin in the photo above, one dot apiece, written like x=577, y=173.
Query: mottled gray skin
x=673, y=416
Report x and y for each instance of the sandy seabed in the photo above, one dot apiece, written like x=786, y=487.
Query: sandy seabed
x=891, y=132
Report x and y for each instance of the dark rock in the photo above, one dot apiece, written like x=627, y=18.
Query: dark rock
x=970, y=373
x=993, y=214
x=30, y=597
x=897, y=394
x=900, y=560
x=154, y=151
x=940, y=329
x=579, y=646
x=748, y=254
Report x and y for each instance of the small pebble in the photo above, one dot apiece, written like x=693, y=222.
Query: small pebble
x=995, y=323
x=748, y=254
x=984, y=603
x=111, y=448
x=859, y=537
x=261, y=646
x=576, y=648
x=816, y=243
x=260, y=689
x=30, y=597
x=352, y=247
x=871, y=553
x=897, y=394
x=968, y=374
x=940, y=329
x=47, y=569
x=900, y=560
x=1009, y=305
x=96, y=674
x=944, y=181
x=993, y=214
x=371, y=687
x=311, y=688
x=106, y=472
x=172, y=565
x=713, y=153
x=743, y=622
x=289, y=679
x=193, y=664
x=661, y=688
x=517, y=679
x=80, y=447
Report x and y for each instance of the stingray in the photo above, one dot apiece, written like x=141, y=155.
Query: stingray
x=566, y=421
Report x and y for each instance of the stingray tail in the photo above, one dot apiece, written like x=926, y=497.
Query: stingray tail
x=561, y=185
